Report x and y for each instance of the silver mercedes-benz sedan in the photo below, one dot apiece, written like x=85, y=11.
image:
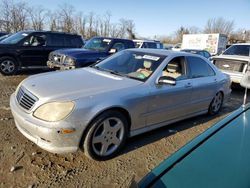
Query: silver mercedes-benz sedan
x=132, y=92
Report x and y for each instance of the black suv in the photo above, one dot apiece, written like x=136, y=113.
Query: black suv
x=28, y=49
x=95, y=49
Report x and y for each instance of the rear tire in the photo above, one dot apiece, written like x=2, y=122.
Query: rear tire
x=216, y=104
x=8, y=66
x=106, y=135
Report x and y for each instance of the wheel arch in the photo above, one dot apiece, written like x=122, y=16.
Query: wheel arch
x=11, y=56
x=115, y=108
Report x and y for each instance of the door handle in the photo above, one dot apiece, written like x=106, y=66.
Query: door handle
x=215, y=80
x=188, y=85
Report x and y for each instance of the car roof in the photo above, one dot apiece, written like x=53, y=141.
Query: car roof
x=192, y=50
x=240, y=44
x=113, y=38
x=158, y=51
x=220, y=157
x=145, y=40
x=53, y=32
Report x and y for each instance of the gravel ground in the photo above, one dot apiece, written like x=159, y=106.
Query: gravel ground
x=23, y=164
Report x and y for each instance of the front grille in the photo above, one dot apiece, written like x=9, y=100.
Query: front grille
x=25, y=99
x=230, y=65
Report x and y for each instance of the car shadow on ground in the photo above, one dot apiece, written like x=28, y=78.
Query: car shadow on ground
x=144, y=139
x=30, y=72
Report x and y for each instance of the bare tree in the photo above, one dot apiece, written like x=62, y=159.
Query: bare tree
x=5, y=13
x=126, y=29
x=90, y=20
x=131, y=29
x=53, y=22
x=38, y=16
x=179, y=34
x=66, y=17
x=219, y=25
x=17, y=15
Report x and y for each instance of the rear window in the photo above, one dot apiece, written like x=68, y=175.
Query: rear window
x=56, y=40
x=242, y=50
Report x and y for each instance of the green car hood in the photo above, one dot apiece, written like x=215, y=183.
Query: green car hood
x=220, y=157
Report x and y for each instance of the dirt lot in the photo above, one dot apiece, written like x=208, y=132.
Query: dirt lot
x=34, y=167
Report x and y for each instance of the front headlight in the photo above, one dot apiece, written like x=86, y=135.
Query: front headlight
x=54, y=111
x=69, y=61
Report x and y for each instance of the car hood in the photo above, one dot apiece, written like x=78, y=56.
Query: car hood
x=76, y=52
x=75, y=84
x=231, y=57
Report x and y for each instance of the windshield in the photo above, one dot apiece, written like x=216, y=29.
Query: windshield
x=238, y=50
x=132, y=64
x=15, y=38
x=98, y=44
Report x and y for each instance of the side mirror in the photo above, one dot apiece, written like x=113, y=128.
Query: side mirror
x=245, y=81
x=166, y=80
x=112, y=50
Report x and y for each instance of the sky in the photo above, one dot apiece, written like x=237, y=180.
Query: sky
x=160, y=17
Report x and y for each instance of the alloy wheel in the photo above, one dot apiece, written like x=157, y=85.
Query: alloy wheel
x=217, y=102
x=108, y=136
x=7, y=66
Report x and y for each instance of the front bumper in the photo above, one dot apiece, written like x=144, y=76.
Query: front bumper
x=46, y=135
x=53, y=65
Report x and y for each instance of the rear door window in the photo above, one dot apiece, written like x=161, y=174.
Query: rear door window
x=199, y=68
x=56, y=40
x=73, y=41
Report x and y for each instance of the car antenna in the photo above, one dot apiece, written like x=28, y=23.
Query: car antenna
x=245, y=95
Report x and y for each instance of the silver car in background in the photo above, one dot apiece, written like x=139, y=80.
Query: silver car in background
x=132, y=92
x=234, y=61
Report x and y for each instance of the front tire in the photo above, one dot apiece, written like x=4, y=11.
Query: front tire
x=8, y=66
x=216, y=104
x=106, y=136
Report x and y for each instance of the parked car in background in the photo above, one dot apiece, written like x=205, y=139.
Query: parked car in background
x=234, y=61
x=94, y=50
x=129, y=93
x=176, y=47
x=203, y=53
x=219, y=157
x=167, y=46
x=30, y=49
x=148, y=44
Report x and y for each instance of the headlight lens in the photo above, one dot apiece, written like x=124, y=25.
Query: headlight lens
x=54, y=111
x=69, y=61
